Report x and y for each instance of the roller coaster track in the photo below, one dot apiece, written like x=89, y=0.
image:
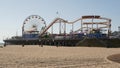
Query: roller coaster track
x=65, y=21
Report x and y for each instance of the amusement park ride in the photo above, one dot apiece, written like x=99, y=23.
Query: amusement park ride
x=35, y=31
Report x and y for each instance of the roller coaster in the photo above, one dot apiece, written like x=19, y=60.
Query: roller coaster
x=36, y=32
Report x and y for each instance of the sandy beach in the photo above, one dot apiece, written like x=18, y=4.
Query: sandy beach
x=33, y=56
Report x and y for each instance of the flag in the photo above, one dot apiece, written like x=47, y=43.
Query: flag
x=57, y=12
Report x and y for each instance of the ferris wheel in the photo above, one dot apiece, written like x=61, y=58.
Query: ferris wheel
x=33, y=23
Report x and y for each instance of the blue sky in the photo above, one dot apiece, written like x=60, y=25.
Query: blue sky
x=14, y=12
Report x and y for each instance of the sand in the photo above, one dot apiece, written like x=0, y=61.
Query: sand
x=57, y=57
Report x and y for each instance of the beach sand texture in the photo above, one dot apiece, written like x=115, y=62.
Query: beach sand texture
x=57, y=57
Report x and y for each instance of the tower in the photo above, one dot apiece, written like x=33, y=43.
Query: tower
x=118, y=28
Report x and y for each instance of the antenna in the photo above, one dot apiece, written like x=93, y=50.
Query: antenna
x=57, y=14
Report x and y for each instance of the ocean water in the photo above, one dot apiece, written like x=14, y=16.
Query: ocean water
x=1, y=44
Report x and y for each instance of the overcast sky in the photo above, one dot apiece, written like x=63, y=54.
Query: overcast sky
x=14, y=12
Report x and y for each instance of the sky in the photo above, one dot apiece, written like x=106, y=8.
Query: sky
x=14, y=12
